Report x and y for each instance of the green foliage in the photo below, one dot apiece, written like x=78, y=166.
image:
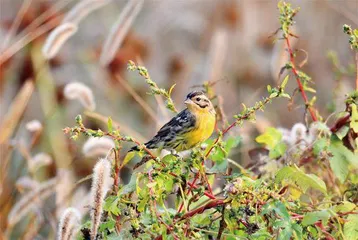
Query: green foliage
x=170, y=197
x=155, y=90
x=272, y=139
x=351, y=227
x=341, y=159
x=303, y=181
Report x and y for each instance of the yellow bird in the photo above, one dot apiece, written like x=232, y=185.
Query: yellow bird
x=187, y=129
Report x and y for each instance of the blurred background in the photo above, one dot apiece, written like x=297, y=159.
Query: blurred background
x=182, y=42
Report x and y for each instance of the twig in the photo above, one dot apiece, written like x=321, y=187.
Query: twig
x=222, y=223
x=300, y=86
x=137, y=97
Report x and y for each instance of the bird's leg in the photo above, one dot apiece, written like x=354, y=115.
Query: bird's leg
x=174, y=153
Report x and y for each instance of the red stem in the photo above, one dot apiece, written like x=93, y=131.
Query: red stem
x=300, y=86
x=206, y=156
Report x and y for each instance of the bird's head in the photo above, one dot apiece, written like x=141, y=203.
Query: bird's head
x=196, y=101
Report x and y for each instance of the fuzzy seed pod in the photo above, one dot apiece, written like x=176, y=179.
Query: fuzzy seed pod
x=68, y=224
x=119, y=31
x=299, y=135
x=39, y=160
x=82, y=9
x=100, y=185
x=286, y=135
x=97, y=147
x=57, y=38
x=34, y=126
x=81, y=92
x=29, y=200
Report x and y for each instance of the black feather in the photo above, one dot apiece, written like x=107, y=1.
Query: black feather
x=167, y=135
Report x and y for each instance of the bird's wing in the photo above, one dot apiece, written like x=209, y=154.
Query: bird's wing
x=178, y=125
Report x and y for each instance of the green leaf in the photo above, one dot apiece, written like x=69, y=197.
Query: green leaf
x=302, y=180
x=285, y=234
x=278, y=150
x=345, y=206
x=285, y=80
x=219, y=167
x=354, y=117
x=111, y=205
x=108, y=225
x=341, y=159
x=128, y=157
x=271, y=137
x=342, y=132
x=277, y=207
x=110, y=124
x=350, y=229
x=130, y=187
x=232, y=142
x=312, y=217
x=320, y=145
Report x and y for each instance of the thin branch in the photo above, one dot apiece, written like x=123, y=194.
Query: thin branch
x=137, y=97
x=300, y=86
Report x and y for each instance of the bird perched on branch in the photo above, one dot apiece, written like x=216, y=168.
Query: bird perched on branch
x=187, y=129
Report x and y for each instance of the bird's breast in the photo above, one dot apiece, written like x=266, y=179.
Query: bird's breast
x=204, y=127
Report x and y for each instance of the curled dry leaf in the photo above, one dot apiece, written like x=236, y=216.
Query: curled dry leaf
x=57, y=38
x=81, y=92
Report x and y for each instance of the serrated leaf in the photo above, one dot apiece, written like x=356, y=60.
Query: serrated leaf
x=302, y=180
x=350, y=229
x=312, y=217
x=111, y=205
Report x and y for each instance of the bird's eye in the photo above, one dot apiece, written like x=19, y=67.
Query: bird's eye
x=197, y=99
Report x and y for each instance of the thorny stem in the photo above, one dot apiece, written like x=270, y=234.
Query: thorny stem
x=300, y=86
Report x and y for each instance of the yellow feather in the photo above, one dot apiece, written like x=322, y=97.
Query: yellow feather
x=204, y=127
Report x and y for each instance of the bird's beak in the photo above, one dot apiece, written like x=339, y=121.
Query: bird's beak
x=188, y=101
